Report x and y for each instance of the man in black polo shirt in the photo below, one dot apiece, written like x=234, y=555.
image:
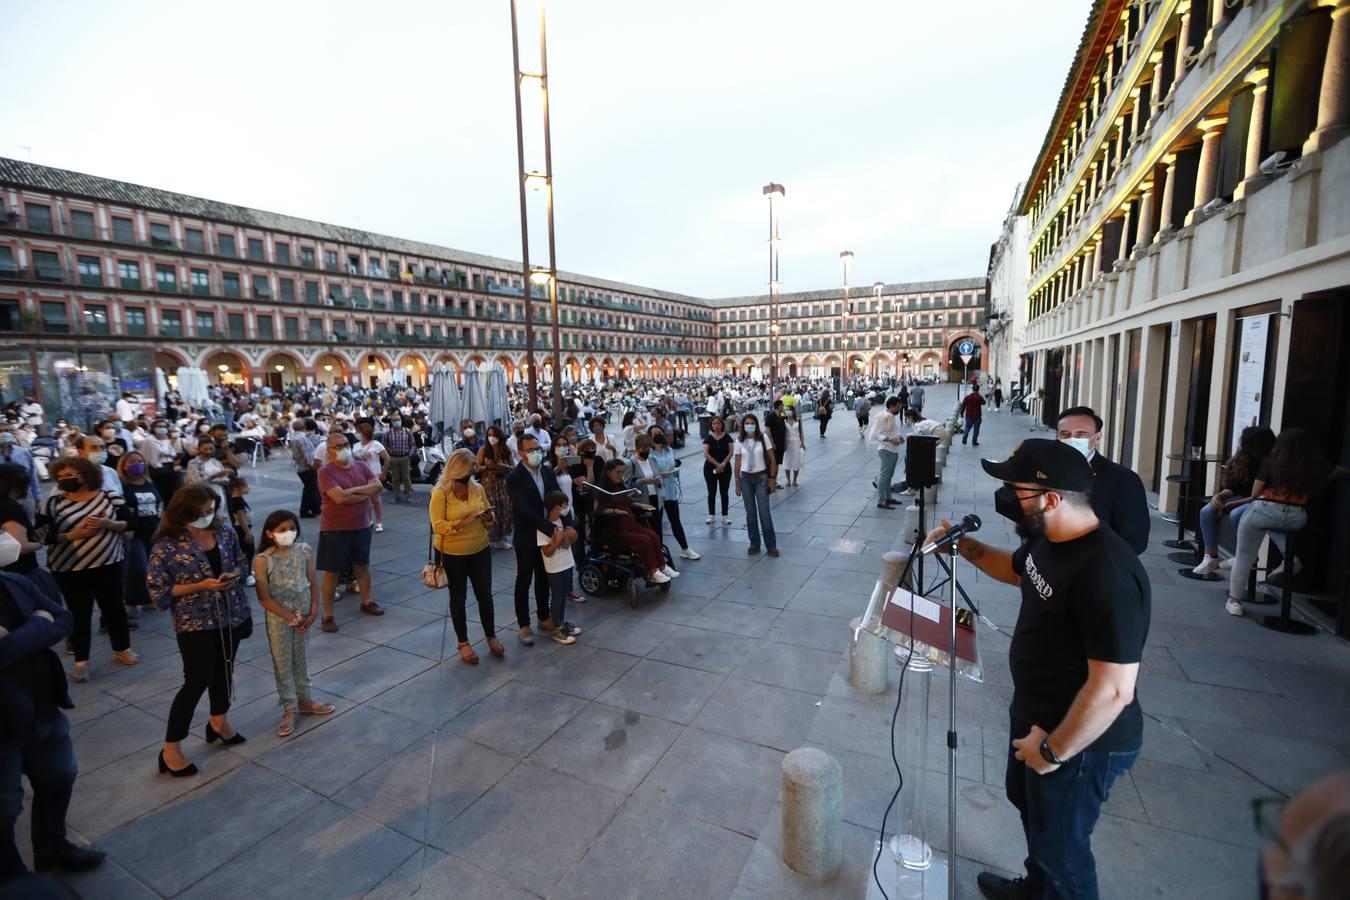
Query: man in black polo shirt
x=1076, y=724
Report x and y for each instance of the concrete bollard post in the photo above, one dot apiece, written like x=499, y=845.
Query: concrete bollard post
x=940, y=457
x=867, y=660
x=911, y=523
x=813, y=787
x=930, y=497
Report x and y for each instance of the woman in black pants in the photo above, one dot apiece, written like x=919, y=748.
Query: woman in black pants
x=196, y=569
x=459, y=510
x=717, y=467
x=85, y=552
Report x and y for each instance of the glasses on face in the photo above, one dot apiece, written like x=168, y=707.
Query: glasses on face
x=1025, y=493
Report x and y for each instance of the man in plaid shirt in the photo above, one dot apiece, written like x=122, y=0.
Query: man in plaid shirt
x=398, y=441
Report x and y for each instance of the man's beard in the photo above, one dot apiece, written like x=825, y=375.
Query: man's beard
x=1032, y=524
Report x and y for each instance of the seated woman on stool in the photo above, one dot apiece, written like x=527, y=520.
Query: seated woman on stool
x=1236, y=491
x=620, y=512
x=1294, y=472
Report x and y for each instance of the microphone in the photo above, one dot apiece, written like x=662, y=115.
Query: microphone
x=968, y=525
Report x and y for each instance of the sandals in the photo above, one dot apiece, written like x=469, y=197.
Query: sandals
x=329, y=624
x=371, y=608
x=496, y=647
x=287, y=725
x=318, y=709
x=467, y=655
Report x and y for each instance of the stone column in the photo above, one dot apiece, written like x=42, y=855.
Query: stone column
x=1125, y=234
x=1184, y=8
x=1139, y=118
x=1120, y=143
x=1145, y=215
x=1169, y=191
x=1097, y=256
x=1216, y=22
x=1333, y=104
x=1207, y=177
x=1157, y=60
x=1259, y=78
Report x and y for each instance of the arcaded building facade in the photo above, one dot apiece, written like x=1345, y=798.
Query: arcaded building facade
x=1189, y=237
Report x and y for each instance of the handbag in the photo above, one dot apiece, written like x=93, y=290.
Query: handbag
x=433, y=573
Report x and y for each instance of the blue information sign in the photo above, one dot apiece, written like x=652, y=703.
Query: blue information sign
x=966, y=347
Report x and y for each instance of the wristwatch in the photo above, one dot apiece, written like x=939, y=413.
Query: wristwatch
x=1049, y=755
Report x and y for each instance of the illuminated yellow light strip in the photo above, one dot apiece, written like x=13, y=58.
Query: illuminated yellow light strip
x=1221, y=81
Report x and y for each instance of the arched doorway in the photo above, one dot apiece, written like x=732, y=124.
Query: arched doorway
x=375, y=370
x=960, y=348
x=226, y=368
x=280, y=370
x=331, y=369
x=414, y=370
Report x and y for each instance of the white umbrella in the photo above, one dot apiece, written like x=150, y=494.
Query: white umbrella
x=444, y=402
x=473, y=400
x=498, y=403
x=161, y=385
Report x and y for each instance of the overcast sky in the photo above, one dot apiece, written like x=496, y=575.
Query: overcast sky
x=899, y=128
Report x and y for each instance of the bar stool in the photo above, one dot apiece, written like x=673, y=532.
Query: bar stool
x=1183, y=511
x=1284, y=621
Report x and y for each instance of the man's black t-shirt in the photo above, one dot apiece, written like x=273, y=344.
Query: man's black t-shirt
x=1082, y=599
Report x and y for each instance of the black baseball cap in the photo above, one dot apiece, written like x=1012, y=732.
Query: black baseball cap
x=1051, y=464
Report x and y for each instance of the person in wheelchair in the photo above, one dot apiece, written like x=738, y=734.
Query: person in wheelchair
x=618, y=517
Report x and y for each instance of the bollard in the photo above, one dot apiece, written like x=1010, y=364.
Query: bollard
x=868, y=659
x=813, y=786
x=892, y=564
x=911, y=523
x=930, y=497
x=940, y=457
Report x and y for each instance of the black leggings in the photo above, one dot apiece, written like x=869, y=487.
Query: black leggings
x=672, y=511
x=82, y=589
x=461, y=571
x=208, y=667
x=717, y=481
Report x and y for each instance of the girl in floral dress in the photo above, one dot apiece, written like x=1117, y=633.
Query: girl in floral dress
x=494, y=464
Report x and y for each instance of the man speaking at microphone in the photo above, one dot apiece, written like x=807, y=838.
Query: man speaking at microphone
x=1076, y=723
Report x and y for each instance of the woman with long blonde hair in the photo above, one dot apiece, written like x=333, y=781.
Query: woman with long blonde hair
x=459, y=512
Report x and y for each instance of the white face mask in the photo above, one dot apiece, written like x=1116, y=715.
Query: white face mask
x=204, y=521
x=1082, y=445
x=343, y=455
x=492, y=439
x=283, y=538
x=468, y=434
x=9, y=549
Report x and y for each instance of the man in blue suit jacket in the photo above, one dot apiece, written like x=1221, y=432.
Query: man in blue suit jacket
x=527, y=484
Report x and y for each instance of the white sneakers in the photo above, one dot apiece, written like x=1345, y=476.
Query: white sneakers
x=1207, y=566
x=689, y=553
x=669, y=572
x=709, y=520
x=658, y=577
x=1233, y=607
x=726, y=520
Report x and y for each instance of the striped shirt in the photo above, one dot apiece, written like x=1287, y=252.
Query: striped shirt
x=103, y=548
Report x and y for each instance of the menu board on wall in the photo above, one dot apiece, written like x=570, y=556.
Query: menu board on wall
x=1251, y=373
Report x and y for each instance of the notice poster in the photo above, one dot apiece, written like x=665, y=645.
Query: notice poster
x=1251, y=373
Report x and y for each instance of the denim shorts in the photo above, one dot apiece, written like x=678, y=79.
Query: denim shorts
x=339, y=549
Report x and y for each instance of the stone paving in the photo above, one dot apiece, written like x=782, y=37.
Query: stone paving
x=643, y=761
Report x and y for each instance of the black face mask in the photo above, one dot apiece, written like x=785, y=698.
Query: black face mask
x=1007, y=504
x=659, y=440
x=70, y=485
x=589, y=454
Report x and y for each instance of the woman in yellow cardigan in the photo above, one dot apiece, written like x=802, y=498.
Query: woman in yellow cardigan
x=459, y=514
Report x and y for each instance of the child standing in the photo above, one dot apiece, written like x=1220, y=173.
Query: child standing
x=558, y=564
x=289, y=591
x=241, y=517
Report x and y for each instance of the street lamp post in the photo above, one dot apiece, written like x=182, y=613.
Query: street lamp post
x=877, y=287
x=775, y=192
x=846, y=257
x=531, y=180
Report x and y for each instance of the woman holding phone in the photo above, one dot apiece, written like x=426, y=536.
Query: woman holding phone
x=196, y=569
x=459, y=512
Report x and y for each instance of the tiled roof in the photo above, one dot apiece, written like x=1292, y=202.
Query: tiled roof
x=45, y=178
x=62, y=181
x=859, y=292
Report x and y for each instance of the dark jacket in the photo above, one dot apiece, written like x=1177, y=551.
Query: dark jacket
x=527, y=507
x=1118, y=500
x=778, y=431
x=26, y=653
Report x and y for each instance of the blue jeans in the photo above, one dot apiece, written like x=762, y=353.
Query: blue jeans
x=755, y=493
x=559, y=586
x=1211, y=519
x=888, y=461
x=48, y=759
x=1261, y=515
x=1058, y=812
x=972, y=430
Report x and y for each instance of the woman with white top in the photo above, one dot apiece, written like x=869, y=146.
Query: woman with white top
x=604, y=447
x=631, y=430
x=372, y=453
x=162, y=454
x=755, y=474
x=794, y=448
